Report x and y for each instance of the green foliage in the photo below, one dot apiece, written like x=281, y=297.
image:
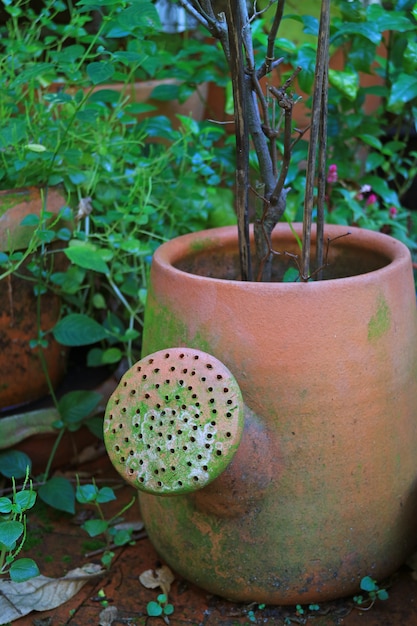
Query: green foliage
x=114, y=536
x=13, y=532
x=14, y=463
x=159, y=608
x=368, y=140
x=374, y=592
x=58, y=493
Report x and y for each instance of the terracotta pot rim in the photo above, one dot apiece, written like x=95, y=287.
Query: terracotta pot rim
x=180, y=248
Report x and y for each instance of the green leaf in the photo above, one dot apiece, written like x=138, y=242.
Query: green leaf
x=30, y=220
x=168, y=609
x=388, y=19
x=10, y=531
x=5, y=505
x=25, y=499
x=95, y=527
x=381, y=187
x=78, y=329
x=23, y=569
x=347, y=82
x=371, y=140
x=404, y=89
x=100, y=71
x=364, y=29
x=368, y=584
x=410, y=56
x=153, y=609
x=77, y=405
x=14, y=463
x=110, y=356
x=59, y=493
x=86, y=493
x=166, y=92
x=88, y=256
x=35, y=147
x=105, y=494
x=382, y=594
x=122, y=537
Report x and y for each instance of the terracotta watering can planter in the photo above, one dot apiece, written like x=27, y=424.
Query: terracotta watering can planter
x=271, y=428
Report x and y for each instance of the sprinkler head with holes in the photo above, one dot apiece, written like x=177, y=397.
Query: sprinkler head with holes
x=175, y=421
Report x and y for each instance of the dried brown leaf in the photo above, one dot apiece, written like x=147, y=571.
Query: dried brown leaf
x=161, y=577
x=42, y=593
x=108, y=615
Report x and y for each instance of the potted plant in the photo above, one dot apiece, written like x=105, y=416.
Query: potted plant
x=65, y=130
x=277, y=414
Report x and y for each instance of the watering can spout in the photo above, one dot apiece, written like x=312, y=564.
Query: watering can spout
x=175, y=422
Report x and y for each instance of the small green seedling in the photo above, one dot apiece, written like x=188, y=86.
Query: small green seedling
x=251, y=613
x=373, y=590
x=160, y=608
x=91, y=494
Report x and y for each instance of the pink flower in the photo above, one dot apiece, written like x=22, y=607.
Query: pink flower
x=332, y=174
x=393, y=211
x=371, y=199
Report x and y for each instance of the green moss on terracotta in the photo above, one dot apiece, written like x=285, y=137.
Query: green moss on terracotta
x=380, y=322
